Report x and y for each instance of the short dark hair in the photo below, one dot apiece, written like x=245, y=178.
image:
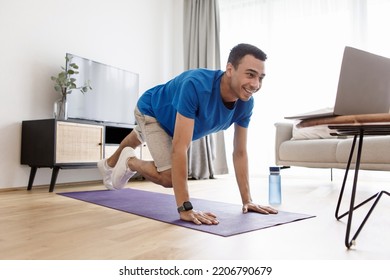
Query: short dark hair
x=241, y=50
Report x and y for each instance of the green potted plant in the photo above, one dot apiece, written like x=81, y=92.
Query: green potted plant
x=65, y=83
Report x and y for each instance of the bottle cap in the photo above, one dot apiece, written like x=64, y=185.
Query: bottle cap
x=274, y=169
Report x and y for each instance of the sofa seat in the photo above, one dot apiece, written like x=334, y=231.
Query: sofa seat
x=325, y=149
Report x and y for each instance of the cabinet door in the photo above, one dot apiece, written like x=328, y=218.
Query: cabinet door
x=78, y=143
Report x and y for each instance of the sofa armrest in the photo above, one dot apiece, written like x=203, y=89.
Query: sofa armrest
x=283, y=133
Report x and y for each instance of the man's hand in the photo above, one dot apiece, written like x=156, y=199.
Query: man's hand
x=199, y=217
x=252, y=207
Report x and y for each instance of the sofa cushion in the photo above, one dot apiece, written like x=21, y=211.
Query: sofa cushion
x=313, y=132
x=319, y=150
x=376, y=149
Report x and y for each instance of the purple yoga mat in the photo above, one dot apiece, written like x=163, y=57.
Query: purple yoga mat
x=162, y=207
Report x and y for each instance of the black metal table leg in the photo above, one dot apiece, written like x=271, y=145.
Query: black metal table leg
x=351, y=241
x=345, y=180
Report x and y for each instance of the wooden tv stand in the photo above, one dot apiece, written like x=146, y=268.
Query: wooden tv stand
x=68, y=144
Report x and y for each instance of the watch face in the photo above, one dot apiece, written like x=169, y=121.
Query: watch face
x=187, y=206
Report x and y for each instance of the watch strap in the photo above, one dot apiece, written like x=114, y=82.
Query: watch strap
x=187, y=206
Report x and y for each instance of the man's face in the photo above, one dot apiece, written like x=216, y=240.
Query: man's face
x=247, y=78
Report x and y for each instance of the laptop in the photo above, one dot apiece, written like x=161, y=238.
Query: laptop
x=363, y=88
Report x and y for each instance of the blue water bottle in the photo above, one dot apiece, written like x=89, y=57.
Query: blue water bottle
x=274, y=188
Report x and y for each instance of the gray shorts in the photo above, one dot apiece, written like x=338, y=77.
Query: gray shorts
x=159, y=142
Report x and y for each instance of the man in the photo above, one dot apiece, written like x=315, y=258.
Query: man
x=194, y=104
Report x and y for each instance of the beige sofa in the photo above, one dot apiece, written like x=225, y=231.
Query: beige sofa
x=314, y=147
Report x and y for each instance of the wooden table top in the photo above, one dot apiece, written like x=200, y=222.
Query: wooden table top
x=349, y=119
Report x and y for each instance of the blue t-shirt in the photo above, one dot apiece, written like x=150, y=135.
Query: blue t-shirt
x=195, y=94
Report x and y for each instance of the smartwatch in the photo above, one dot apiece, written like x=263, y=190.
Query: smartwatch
x=187, y=206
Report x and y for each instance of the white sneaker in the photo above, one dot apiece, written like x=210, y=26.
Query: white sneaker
x=121, y=173
x=106, y=172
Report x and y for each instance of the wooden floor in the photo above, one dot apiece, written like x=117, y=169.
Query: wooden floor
x=41, y=225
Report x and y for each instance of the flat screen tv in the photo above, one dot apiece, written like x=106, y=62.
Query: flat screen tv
x=113, y=96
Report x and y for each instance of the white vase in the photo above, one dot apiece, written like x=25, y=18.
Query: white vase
x=61, y=109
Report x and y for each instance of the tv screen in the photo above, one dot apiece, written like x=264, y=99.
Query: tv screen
x=113, y=97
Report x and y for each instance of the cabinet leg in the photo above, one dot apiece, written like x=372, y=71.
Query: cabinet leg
x=33, y=171
x=54, y=175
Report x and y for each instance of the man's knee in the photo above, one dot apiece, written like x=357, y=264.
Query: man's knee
x=167, y=182
x=166, y=179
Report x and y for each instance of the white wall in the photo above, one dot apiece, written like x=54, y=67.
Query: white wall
x=304, y=41
x=140, y=36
